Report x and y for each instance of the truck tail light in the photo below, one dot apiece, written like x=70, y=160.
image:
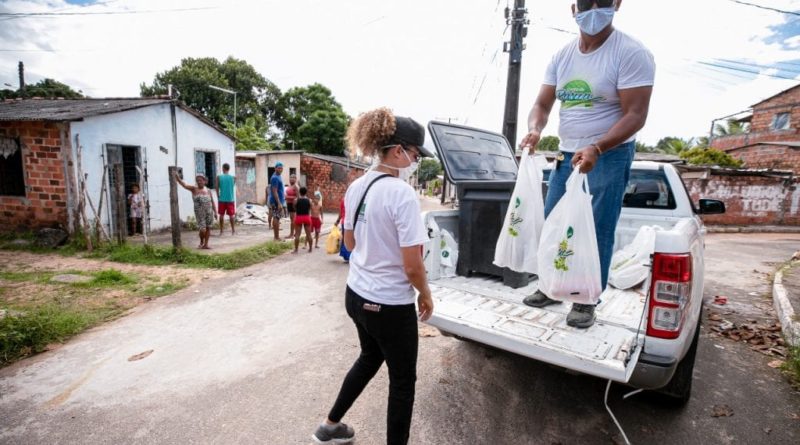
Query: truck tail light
x=670, y=290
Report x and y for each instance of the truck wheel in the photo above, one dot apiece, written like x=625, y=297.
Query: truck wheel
x=679, y=389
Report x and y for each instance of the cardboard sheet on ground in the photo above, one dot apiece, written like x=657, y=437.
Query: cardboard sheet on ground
x=252, y=214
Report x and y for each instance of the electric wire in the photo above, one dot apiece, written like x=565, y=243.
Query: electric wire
x=765, y=7
x=66, y=14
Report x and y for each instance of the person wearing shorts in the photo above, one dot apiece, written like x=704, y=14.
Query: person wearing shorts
x=302, y=219
x=276, y=200
x=227, y=198
x=316, y=216
x=291, y=198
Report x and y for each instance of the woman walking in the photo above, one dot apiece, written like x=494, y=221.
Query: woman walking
x=385, y=233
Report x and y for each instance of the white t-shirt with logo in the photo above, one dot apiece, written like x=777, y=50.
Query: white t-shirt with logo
x=587, y=84
x=389, y=219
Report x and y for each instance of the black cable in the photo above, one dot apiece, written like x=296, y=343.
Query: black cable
x=765, y=7
x=755, y=65
x=64, y=14
x=746, y=71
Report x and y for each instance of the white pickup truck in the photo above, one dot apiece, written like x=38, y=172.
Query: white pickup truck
x=645, y=337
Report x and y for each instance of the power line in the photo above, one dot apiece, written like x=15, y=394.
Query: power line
x=765, y=7
x=64, y=14
x=755, y=65
x=758, y=73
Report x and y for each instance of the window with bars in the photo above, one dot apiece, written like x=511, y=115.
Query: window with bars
x=12, y=176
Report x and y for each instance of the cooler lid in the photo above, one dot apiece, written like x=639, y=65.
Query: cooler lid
x=471, y=154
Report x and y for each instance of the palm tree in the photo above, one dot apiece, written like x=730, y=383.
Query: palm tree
x=731, y=127
x=678, y=145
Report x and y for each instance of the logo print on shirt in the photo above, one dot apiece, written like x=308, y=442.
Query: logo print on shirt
x=577, y=93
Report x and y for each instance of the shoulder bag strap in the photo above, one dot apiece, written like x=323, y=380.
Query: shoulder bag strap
x=363, y=197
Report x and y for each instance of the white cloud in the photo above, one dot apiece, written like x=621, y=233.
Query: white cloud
x=424, y=58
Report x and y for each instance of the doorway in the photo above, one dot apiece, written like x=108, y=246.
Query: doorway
x=205, y=163
x=130, y=158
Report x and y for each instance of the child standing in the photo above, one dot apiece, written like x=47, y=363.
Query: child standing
x=316, y=216
x=136, y=205
x=302, y=219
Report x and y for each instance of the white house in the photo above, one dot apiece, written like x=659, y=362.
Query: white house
x=144, y=135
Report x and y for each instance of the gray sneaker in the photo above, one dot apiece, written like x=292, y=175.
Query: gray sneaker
x=334, y=434
x=539, y=299
x=581, y=315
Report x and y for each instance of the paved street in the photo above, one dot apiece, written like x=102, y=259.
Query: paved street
x=257, y=357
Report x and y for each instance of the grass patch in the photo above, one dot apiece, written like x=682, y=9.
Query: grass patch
x=108, y=278
x=163, y=255
x=792, y=366
x=161, y=289
x=30, y=331
x=18, y=276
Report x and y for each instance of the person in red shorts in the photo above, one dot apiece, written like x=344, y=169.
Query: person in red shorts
x=302, y=219
x=316, y=216
x=226, y=184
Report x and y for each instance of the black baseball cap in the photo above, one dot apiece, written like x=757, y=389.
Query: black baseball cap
x=410, y=132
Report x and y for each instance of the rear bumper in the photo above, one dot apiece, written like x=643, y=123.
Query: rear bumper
x=652, y=371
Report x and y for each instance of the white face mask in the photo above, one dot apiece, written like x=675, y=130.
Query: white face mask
x=593, y=21
x=405, y=173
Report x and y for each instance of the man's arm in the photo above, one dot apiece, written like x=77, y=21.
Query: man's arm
x=539, y=115
x=635, y=104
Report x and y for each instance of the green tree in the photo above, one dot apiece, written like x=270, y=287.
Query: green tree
x=710, y=156
x=641, y=147
x=548, y=143
x=295, y=110
x=730, y=127
x=46, y=88
x=256, y=96
x=428, y=169
x=323, y=132
x=248, y=136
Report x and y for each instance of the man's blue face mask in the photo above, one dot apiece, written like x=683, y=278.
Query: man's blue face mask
x=593, y=21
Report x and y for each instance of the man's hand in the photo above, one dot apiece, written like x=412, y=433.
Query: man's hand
x=530, y=140
x=586, y=157
x=425, y=303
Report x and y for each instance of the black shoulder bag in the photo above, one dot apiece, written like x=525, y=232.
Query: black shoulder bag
x=363, y=197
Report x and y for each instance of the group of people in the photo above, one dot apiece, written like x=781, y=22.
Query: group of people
x=603, y=80
x=305, y=214
x=204, y=206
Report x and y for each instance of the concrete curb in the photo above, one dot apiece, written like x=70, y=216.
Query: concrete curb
x=753, y=229
x=786, y=313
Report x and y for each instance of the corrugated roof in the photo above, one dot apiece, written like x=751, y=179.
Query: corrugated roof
x=68, y=109
x=338, y=160
x=60, y=110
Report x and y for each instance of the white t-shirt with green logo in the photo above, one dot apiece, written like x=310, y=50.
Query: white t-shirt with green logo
x=587, y=86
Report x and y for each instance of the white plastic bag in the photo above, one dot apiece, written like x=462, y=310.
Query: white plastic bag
x=518, y=243
x=449, y=254
x=569, y=262
x=630, y=265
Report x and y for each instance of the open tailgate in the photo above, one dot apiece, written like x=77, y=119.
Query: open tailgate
x=486, y=311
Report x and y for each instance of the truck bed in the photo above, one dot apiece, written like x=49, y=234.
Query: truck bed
x=481, y=308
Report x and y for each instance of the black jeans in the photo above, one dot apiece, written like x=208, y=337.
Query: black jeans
x=389, y=334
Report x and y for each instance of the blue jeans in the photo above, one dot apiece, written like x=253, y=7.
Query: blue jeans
x=607, y=182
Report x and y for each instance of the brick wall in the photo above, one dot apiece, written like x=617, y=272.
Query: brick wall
x=749, y=200
x=776, y=157
x=320, y=174
x=788, y=102
x=45, y=200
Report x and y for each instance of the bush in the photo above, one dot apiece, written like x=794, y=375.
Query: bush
x=710, y=156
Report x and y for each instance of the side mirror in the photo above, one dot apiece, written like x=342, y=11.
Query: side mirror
x=711, y=207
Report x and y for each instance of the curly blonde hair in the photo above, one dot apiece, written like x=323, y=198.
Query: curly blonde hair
x=370, y=131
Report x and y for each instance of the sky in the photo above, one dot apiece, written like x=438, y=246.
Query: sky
x=428, y=59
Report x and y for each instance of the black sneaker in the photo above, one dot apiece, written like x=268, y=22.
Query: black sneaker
x=581, y=315
x=539, y=299
x=334, y=434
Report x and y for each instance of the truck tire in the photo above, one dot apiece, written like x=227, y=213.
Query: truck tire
x=679, y=389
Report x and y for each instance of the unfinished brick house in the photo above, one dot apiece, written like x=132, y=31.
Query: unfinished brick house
x=331, y=175
x=773, y=138
x=141, y=136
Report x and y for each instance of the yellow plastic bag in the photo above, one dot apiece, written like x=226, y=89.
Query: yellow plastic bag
x=334, y=238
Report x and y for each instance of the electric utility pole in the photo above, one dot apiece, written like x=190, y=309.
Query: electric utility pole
x=517, y=19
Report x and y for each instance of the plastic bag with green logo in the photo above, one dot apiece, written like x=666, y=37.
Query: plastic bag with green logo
x=569, y=262
x=519, y=239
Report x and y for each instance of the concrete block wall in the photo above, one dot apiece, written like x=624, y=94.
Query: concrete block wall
x=749, y=200
x=44, y=169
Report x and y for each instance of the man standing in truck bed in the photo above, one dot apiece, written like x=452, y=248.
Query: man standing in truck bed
x=604, y=80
